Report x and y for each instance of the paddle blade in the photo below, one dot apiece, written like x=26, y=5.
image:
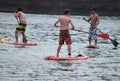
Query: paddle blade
x=104, y=36
x=114, y=42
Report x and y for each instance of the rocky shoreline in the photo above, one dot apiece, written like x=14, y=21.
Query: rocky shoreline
x=78, y=7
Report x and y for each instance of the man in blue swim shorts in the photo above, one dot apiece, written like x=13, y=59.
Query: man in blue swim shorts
x=94, y=22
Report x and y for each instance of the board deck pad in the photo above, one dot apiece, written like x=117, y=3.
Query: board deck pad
x=22, y=44
x=91, y=46
x=83, y=57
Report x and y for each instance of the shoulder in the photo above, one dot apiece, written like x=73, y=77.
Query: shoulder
x=69, y=18
x=61, y=17
x=96, y=15
x=91, y=15
x=21, y=13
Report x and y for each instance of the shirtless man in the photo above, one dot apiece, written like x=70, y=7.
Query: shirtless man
x=21, y=18
x=94, y=22
x=64, y=35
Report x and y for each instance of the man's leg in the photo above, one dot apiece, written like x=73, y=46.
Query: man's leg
x=95, y=35
x=69, y=50
x=89, y=41
x=90, y=35
x=24, y=37
x=58, y=50
x=96, y=42
x=16, y=36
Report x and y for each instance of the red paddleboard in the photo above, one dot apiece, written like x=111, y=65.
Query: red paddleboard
x=27, y=44
x=83, y=57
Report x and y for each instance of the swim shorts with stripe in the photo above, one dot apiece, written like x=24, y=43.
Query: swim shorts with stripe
x=21, y=26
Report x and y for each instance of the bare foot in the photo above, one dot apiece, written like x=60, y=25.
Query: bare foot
x=24, y=41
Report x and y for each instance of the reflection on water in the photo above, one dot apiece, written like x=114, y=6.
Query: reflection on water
x=65, y=63
x=27, y=64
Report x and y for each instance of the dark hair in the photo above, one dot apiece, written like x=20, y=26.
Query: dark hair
x=93, y=9
x=19, y=9
x=66, y=11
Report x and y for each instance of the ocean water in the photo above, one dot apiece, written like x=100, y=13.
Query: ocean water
x=28, y=64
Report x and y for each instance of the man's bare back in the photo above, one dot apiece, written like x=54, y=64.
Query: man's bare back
x=64, y=22
x=21, y=16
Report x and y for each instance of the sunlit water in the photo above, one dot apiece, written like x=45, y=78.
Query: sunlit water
x=28, y=64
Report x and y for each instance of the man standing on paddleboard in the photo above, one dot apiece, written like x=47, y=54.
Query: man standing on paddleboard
x=21, y=19
x=94, y=22
x=64, y=35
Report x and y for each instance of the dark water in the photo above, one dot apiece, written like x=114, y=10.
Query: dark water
x=27, y=64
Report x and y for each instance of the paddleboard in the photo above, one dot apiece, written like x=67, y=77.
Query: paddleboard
x=83, y=57
x=22, y=44
x=91, y=46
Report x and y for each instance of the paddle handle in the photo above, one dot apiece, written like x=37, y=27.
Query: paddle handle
x=86, y=20
x=17, y=20
x=81, y=31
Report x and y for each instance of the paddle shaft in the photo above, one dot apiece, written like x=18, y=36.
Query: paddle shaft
x=17, y=20
x=81, y=31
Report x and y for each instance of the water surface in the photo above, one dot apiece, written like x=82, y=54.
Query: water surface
x=27, y=64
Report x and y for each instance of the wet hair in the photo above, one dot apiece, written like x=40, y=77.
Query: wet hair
x=93, y=9
x=19, y=9
x=66, y=11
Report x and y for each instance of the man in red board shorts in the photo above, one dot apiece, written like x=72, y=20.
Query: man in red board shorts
x=64, y=35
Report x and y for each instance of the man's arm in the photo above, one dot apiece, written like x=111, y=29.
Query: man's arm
x=16, y=14
x=55, y=24
x=88, y=20
x=72, y=24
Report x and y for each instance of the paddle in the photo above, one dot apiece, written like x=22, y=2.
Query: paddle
x=105, y=36
x=114, y=42
x=17, y=20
